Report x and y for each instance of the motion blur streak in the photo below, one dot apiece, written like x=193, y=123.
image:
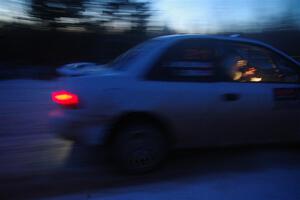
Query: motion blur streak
x=205, y=16
x=38, y=37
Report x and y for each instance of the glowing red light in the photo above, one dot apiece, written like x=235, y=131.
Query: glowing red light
x=65, y=98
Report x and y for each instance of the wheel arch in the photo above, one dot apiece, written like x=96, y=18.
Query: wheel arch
x=131, y=117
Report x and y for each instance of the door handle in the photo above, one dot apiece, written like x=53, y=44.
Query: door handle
x=230, y=97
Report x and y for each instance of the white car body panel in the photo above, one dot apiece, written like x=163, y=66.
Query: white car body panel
x=195, y=111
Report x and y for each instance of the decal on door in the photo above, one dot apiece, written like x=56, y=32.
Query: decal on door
x=286, y=98
x=285, y=94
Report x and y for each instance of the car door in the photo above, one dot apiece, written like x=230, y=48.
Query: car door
x=260, y=96
x=185, y=82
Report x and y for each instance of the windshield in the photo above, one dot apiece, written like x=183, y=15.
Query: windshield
x=121, y=62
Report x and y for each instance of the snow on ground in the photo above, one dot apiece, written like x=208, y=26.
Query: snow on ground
x=25, y=134
x=263, y=185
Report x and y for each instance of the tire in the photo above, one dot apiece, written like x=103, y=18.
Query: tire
x=139, y=147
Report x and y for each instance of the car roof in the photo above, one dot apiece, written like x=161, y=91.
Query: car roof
x=233, y=38
x=217, y=37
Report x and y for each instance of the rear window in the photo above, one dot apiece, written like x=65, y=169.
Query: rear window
x=122, y=61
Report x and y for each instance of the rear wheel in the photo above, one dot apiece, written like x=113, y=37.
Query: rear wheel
x=139, y=147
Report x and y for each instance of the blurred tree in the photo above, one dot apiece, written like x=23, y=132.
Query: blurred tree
x=134, y=15
x=130, y=15
x=52, y=11
x=289, y=20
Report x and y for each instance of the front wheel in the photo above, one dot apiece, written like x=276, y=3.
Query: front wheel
x=139, y=147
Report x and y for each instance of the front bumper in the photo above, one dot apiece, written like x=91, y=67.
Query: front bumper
x=84, y=130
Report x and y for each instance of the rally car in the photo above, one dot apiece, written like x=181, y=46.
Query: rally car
x=182, y=91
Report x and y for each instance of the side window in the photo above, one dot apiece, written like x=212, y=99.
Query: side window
x=190, y=60
x=286, y=69
x=246, y=63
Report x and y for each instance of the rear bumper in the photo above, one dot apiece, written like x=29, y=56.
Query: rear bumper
x=83, y=130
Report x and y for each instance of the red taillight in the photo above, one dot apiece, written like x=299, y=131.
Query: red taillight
x=65, y=98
